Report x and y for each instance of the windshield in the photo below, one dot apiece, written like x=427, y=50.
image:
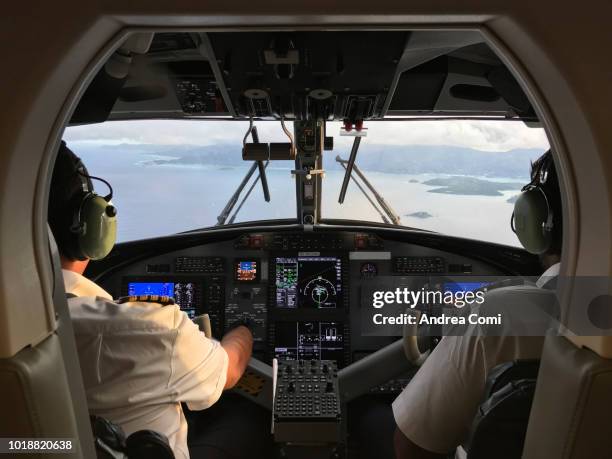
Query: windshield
x=455, y=177
x=171, y=176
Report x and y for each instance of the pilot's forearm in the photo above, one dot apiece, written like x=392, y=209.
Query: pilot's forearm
x=238, y=343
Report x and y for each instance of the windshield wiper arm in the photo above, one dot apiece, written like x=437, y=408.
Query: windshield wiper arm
x=386, y=208
x=248, y=193
x=262, y=172
x=227, y=210
x=367, y=196
x=234, y=198
x=349, y=168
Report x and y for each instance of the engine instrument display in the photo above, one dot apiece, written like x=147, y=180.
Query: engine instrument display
x=308, y=282
x=246, y=271
x=185, y=294
x=309, y=340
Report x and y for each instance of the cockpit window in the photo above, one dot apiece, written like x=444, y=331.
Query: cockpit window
x=174, y=176
x=455, y=177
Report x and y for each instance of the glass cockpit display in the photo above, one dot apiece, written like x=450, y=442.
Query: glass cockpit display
x=309, y=340
x=185, y=294
x=308, y=282
x=246, y=271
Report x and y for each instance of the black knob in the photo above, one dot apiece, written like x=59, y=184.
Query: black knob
x=329, y=387
x=288, y=370
x=325, y=369
x=291, y=387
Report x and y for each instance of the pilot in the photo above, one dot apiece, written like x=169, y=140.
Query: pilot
x=141, y=359
x=435, y=411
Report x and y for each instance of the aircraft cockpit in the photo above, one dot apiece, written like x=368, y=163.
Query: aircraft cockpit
x=288, y=177
x=280, y=177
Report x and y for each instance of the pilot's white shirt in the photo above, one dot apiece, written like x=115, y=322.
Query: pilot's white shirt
x=437, y=407
x=140, y=360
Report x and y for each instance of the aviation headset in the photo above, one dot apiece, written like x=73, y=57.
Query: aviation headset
x=94, y=220
x=532, y=219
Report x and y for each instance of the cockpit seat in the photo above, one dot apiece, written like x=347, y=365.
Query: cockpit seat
x=41, y=387
x=111, y=442
x=500, y=425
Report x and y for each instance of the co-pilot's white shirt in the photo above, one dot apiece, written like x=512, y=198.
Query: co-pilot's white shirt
x=140, y=360
x=435, y=411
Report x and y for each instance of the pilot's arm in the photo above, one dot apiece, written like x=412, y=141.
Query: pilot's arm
x=202, y=367
x=238, y=344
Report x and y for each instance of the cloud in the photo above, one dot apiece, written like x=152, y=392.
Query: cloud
x=481, y=135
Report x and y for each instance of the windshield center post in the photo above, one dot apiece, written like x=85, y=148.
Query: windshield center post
x=309, y=135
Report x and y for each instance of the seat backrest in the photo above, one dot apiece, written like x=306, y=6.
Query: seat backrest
x=41, y=391
x=500, y=425
x=65, y=333
x=571, y=412
x=507, y=372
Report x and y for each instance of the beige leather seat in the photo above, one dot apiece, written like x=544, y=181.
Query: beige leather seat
x=41, y=391
x=570, y=417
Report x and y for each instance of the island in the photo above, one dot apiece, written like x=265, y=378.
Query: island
x=420, y=214
x=469, y=186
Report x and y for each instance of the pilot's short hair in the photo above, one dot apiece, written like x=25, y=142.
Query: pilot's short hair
x=66, y=190
x=553, y=195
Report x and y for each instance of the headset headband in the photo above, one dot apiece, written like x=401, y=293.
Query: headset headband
x=86, y=181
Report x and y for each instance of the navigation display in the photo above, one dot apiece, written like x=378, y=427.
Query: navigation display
x=246, y=271
x=308, y=282
x=309, y=340
x=185, y=294
x=464, y=286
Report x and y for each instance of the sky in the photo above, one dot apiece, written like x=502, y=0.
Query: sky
x=481, y=135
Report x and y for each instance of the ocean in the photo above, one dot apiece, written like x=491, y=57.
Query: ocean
x=154, y=200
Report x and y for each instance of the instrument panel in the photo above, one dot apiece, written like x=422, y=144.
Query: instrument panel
x=302, y=290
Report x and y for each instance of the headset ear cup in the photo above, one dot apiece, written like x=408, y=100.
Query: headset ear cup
x=531, y=219
x=99, y=222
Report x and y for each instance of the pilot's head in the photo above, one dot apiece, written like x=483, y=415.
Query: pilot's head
x=84, y=224
x=537, y=217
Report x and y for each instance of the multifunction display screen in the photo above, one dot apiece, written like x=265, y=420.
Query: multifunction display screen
x=185, y=294
x=309, y=340
x=308, y=282
x=464, y=286
x=246, y=271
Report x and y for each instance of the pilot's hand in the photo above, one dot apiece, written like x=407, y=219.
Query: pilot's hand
x=243, y=322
